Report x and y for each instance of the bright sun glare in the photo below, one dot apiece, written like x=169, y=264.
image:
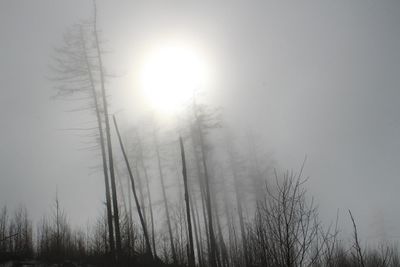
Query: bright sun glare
x=170, y=75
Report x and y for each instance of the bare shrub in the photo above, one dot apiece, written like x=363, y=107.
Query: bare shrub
x=287, y=229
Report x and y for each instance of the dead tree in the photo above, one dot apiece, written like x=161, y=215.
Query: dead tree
x=356, y=245
x=75, y=73
x=222, y=251
x=287, y=226
x=161, y=175
x=153, y=238
x=199, y=121
x=60, y=232
x=141, y=195
x=233, y=164
x=102, y=145
x=141, y=162
x=197, y=229
x=108, y=132
x=130, y=228
x=145, y=233
x=189, y=223
x=200, y=181
x=8, y=237
x=127, y=210
x=16, y=234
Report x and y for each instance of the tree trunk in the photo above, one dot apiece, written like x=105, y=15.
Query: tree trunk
x=240, y=211
x=151, y=208
x=131, y=239
x=197, y=230
x=146, y=236
x=103, y=150
x=202, y=190
x=141, y=196
x=189, y=223
x=108, y=135
x=146, y=176
x=165, y=198
x=213, y=246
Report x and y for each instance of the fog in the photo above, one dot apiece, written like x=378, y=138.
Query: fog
x=316, y=79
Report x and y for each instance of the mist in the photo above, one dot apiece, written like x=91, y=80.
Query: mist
x=291, y=88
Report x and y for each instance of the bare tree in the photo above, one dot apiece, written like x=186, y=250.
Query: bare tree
x=139, y=158
x=189, y=222
x=287, y=225
x=144, y=227
x=356, y=245
x=164, y=193
x=204, y=120
x=108, y=132
x=3, y=230
x=234, y=165
x=76, y=73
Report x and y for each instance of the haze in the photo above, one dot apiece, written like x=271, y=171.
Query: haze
x=318, y=79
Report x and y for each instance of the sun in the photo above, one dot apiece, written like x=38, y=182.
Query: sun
x=170, y=75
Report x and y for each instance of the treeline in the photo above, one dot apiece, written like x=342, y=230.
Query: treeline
x=15, y=234
x=284, y=231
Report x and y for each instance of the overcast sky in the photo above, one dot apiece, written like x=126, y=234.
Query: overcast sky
x=316, y=78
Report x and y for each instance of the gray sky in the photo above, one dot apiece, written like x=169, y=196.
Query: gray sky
x=319, y=78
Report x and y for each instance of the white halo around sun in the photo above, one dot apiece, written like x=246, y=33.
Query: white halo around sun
x=169, y=76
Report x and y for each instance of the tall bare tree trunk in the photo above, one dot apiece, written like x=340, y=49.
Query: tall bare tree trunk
x=213, y=246
x=122, y=195
x=197, y=230
x=222, y=249
x=189, y=223
x=235, y=256
x=141, y=196
x=130, y=225
x=102, y=146
x=146, y=176
x=153, y=238
x=137, y=173
x=127, y=209
x=151, y=208
x=108, y=135
x=239, y=206
x=241, y=221
x=160, y=171
x=200, y=180
x=228, y=223
x=58, y=224
x=146, y=236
